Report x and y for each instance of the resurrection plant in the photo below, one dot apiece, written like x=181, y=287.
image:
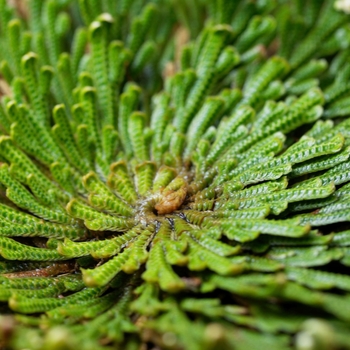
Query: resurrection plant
x=174, y=174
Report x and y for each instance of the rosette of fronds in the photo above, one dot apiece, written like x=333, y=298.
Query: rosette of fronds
x=174, y=174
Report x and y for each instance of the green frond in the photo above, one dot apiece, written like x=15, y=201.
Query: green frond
x=174, y=174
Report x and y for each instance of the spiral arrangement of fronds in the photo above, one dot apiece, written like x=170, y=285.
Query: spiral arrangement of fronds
x=174, y=174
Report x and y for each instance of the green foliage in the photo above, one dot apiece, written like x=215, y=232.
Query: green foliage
x=174, y=175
